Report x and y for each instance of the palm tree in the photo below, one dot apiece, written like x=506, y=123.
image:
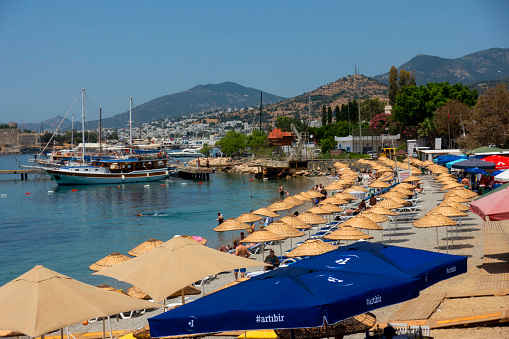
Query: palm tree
x=427, y=129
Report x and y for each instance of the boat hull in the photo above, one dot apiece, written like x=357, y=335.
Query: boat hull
x=64, y=178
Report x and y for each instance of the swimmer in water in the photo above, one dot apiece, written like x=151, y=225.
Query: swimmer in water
x=139, y=214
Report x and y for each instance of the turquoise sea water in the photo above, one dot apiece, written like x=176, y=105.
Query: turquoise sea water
x=68, y=230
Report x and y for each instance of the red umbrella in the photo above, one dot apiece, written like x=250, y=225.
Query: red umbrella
x=494, y=206
x=501, y=162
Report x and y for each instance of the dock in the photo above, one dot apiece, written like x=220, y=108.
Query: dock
x=195, y=173
x=23, y=172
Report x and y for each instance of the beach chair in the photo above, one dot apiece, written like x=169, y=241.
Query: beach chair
x=400, y=328
x=126, y=315
x=255, y=249
x=424, y=329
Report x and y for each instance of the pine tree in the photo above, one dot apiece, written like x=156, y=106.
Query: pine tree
x=393, y=85
x=329, y=115
x=337, y=113
x=324, y=116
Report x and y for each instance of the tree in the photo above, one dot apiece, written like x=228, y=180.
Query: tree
x=488, y=121
x=206, y=148
x=451, y=116
x=337, y=113
x=329, y=115
x=427, y=129
x=232, y=142
x=324, y=116
x=112, y=136
x=414, y=104
x=371, y=108
x=393, y=85
x=327, y=144
x=284, y=123
x=406, y=79
x=257, y=140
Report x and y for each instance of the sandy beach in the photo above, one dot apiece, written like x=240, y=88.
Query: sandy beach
x=468, y=243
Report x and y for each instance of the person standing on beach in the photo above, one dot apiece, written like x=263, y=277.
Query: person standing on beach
x=220, y=218
x=240, y=251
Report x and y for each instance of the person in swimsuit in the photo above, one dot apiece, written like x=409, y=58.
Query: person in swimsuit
x=271, y=259
x=240, y=251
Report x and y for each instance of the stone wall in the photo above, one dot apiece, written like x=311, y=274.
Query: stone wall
x=9, y=137
x=28, y=139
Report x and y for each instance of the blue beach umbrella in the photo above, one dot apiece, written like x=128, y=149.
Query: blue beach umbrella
x=327, y=288
x=452, y=162
x=470, y=163
x=475, y=170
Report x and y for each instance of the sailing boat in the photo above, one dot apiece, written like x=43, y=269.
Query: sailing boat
x=122, y=168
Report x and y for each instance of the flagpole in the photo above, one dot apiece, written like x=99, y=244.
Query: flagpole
x=449, y=127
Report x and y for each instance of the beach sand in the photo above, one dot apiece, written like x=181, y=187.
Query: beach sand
x=468, y=244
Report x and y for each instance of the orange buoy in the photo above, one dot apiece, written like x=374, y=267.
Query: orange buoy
x=200, y=182
x=27, y=193
x=251, y=179
x=74, y=190
x=163, y=184
x=84, y=323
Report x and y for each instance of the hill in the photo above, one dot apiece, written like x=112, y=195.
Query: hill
x=51, y=124
x=479, y=66
x=482, y=86
x=201, y=98
x=335, y=93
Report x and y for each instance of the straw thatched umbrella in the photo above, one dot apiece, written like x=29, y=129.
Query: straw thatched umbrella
x=284, y=230
x=266, y=212
x=415, y=171
x=294, y=221
x=355, y=188
x=382, y=210
x=188, y=290
x=231, y=224
x=379, y=184
x=108, y=261
x=280, y=206
x=109, y=288
x=42, y=301
x=293, y=201
x=331, y=208
x=174, y=265
x=455, y=205
x=248, y=217
x=462, y=192
x=375, y=217
x=435, y=220
x=135, y=292
x=144, y=247
x=311, y=247
x=411, y=179
x=405, y=185
x=347, y=233
x=314, y=194
x=345, y=196
x=394, y=194
x=335, y=186
x=428, y=163
x=389, y=203
x=402, y=201
x=362, y=222
x=456, y=198
x=303, y=197
x=334, y=200
x=403, y=190
x=451, y=186
x=262, y=236
x=449, y=211
x=312, y=219
x=318, y=210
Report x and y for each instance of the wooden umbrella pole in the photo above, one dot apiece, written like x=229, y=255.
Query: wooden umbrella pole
x=452, y=239
x=390, y=236
x=104, y=328
x=438, y=248
x=182, y=295
x=446, y=240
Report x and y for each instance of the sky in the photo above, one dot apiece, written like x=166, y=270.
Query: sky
x=50, y=50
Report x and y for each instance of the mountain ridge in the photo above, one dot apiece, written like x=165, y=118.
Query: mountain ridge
x=471, y=68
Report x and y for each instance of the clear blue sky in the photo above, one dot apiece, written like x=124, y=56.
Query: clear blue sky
x=49, y=50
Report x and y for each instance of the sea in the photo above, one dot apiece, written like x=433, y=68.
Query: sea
x=67, y=229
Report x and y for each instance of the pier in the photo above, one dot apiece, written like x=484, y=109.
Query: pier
x=23, y=172
x=195, y=173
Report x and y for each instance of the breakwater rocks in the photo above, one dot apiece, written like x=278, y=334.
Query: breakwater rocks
x=310, y=168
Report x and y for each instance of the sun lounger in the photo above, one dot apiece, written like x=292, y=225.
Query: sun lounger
x=400, y=328
x=126, y=315
x=424, y=329
x=255, y=249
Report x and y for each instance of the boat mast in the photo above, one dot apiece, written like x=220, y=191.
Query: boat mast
x=83, y=123
x=72, y=132
x=130, y=121
x=261, y=110
x=100, y=129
